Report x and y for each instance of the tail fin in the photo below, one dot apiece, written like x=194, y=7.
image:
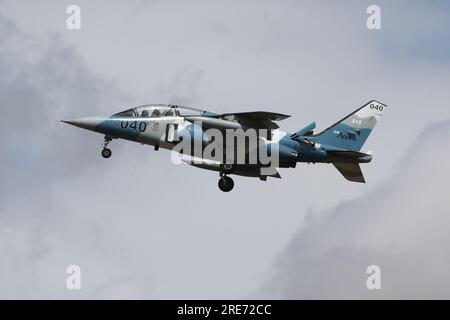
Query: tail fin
x=351, y=132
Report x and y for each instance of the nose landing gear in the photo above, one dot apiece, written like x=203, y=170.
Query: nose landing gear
x=226, y=184
x=106, y=153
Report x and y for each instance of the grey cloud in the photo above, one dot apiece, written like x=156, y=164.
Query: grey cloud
x=401, y=226
x=62, y=204
x=183, y=87
x=39, y=235
x=137, y=222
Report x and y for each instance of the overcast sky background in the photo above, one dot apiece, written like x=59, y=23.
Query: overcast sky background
x=141, y=227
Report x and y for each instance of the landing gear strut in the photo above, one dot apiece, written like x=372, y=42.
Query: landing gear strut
x=226, y=184
x=227, y=168
x=106, y=153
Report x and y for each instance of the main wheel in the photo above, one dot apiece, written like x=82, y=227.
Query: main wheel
x=106, y=153
x=226, y=184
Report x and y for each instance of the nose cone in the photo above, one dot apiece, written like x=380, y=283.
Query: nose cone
x=88, y=123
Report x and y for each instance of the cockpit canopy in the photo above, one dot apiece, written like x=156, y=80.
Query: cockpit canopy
x=159, y=110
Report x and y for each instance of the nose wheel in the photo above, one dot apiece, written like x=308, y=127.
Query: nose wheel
x=106, y=153
x=226, y=184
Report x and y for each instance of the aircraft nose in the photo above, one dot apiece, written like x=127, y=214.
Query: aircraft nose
x=88, y=123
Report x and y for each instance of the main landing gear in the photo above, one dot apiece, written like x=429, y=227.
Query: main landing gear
x=106, y=153
x=226, y=184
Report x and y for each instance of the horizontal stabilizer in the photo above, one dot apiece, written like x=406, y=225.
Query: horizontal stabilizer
x=308, y=130
x=350, y=171
x=355, y=155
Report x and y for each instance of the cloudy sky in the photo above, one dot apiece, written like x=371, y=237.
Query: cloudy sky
x=141, y=227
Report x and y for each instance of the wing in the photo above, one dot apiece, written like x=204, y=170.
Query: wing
x=350, y=171
x=257, y=119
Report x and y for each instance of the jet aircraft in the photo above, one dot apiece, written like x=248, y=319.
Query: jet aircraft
x=165, y=126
